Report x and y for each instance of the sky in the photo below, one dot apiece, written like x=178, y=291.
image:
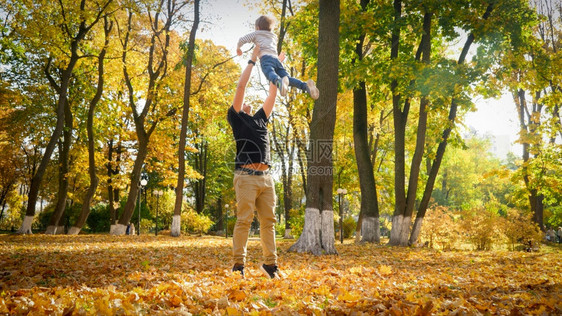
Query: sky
x=225, y=21
x=497, y=117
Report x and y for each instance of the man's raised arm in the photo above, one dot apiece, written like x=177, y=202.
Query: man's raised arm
x=243, y=82
x=270, y=100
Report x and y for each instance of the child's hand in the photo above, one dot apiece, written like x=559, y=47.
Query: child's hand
x=239, y=52
x=282, y=56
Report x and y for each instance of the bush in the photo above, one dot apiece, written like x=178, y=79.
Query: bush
x=296, y=222
x=195, y=223
x=68, y=218
x=480, y=225
x=280, y=229
x=520, y=230
x=147, y=226
x=98, y=220
x=349, y=226
x=439, y=228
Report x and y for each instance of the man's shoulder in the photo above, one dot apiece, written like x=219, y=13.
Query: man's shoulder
x=260, y=114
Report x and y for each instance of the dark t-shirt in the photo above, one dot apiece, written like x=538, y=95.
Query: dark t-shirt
x=250, y=134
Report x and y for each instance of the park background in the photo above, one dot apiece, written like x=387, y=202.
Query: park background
x=99, y=137
x=496, y=154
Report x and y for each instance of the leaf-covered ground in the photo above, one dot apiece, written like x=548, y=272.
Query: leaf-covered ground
x=131, y=275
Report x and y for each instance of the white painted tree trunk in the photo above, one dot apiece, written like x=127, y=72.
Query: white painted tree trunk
x=54, y=230
x=405, y=231
x=400, y=231
x=288, y=234
x=26, y=225
x=370, y=230
x=176, y=226
x=75, y=230
x=328, y=233
x=309, y=241
x=358, y=236
x=51, y=230
x=416, y=230
x=118, y=229
x=395, y=230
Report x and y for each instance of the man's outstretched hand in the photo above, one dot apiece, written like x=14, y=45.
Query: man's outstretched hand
x=255, y=53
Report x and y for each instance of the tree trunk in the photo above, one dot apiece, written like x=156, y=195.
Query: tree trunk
x=398, y=219
x=157, y=70
x=318, y=232
x=200, y=187
x=421, y=134
x=535, y=199
x=432, y=176
x=369, y=200
x=129, y=208
x=288, y=193
x=38, y=177
x=94, y=180
x=359, y=227
x=176, y=231
x=112, y=212
x=113, y=192
x=220, y=216
x=283, y=152
x=64, y=157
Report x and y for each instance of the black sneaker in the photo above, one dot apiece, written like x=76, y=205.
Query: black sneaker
x=271, y=271
x=239, y=268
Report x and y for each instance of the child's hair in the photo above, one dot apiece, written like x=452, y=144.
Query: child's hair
x=264, y=23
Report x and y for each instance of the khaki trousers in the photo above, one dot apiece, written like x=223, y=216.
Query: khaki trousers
x=254, y=193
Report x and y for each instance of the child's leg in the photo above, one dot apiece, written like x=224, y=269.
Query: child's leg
x=268, y=65
x=293, y=82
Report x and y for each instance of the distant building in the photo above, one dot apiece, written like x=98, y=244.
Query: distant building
x=500, y=145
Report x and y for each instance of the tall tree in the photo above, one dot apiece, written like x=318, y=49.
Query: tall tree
x=161, y=15
x=176, y=222
x=370, y=230
x=405, y=196
x=94, y=180
x=63, y=164
x=318, y=233
x=75, y=21
x=535, y=84
x=403, y=238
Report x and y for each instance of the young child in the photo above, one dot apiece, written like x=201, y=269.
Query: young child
x=270, y=63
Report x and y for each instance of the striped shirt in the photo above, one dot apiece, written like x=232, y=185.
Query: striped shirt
x=266, y=40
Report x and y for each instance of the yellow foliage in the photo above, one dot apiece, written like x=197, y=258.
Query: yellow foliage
x=440, y=229
x=196, y=223
x=520, y=229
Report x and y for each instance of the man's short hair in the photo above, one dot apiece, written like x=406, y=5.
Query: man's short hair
x=264, y=23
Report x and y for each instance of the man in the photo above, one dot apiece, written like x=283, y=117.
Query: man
x=253, y=183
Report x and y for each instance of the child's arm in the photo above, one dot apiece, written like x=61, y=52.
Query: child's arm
x=248, y=38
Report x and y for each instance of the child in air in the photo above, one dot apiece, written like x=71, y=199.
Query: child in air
x=270, y=63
